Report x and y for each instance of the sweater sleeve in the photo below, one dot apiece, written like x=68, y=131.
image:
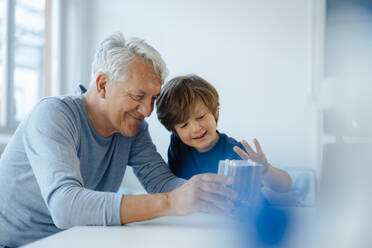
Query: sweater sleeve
x=148, y=165
x=51, y=141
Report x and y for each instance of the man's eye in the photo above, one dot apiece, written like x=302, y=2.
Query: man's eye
x=200, y=117
x=137, y=97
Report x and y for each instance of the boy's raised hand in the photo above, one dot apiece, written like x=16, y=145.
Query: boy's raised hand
x=258, y=157
x=274, y=178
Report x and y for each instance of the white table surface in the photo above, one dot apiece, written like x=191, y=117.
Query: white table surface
x=196, y=230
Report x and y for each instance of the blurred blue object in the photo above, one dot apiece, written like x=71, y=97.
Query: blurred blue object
x=272, y=224
x=264, y=225
x=301, y=186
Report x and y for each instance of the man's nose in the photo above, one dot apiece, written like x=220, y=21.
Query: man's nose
x=145, y=108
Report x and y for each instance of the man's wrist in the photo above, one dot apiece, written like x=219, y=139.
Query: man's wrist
x=164, y=205
x=144, y=207
x=168, y=204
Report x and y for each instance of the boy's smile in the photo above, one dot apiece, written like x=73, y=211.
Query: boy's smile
x=199, y=131
x=200, y=137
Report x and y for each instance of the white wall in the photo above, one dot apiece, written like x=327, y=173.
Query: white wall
x=257, y=54
x=76, y=43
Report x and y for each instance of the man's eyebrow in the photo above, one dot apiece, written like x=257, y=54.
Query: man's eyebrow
x=141, y=92
x=137, y=92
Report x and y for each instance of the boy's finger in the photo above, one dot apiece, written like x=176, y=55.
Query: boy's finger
x=247, y=147
x=241, y=153
x=258, y=146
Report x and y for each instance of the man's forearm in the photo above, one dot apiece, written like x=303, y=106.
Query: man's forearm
x=135, y=208
x=203, y=192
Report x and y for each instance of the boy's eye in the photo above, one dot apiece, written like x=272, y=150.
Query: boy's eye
x=200, y=117
x=183, y=125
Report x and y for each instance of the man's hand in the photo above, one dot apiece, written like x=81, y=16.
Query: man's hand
x=258, y=157
x=205, y=193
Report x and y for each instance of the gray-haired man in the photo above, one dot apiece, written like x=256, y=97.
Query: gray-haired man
x=67, y=159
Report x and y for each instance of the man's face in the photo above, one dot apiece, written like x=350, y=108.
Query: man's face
x=128, y=102
x=199, y=131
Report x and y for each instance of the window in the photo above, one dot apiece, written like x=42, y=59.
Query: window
x=22, y=58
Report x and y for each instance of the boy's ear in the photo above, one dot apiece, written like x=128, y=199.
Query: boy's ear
x=217, y=112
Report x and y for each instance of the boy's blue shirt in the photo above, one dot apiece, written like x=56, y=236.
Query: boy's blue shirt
x=186, y=161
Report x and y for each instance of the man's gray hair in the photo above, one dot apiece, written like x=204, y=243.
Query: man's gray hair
x=114, y=55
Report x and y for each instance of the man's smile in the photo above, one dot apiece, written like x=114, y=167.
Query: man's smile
x=139, y=118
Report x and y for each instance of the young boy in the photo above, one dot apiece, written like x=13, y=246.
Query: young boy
x=188, y=107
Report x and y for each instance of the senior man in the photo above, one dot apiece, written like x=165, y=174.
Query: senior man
x=66, y=161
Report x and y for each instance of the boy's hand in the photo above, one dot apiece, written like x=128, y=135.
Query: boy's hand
x=258, y=157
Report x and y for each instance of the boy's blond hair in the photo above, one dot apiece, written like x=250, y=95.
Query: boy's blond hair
x=179, y=97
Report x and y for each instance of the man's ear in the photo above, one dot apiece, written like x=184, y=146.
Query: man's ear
x=102, y=82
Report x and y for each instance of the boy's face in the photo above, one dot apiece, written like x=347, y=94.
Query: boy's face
x=199, y=131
